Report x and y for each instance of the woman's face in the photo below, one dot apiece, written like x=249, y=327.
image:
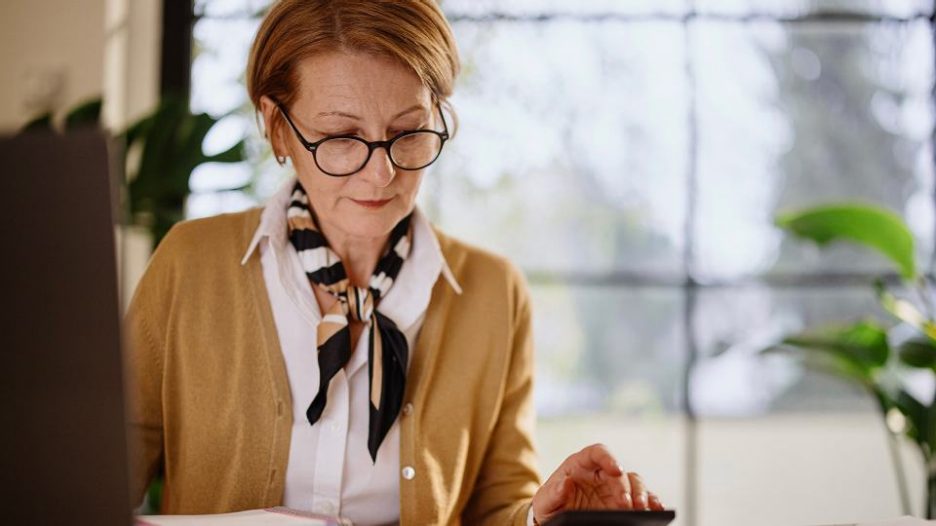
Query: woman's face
x=369, y=96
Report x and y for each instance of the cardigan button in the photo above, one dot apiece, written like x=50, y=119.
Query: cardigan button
x=409, y=473
x=408, y=409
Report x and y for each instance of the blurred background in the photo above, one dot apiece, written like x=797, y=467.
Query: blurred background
x=630, y=156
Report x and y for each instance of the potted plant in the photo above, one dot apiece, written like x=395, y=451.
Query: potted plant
x=866, y=352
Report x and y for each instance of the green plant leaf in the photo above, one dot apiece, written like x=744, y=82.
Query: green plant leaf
x=931, y=429
x=234, y=154
x=170, y=146
x=922, y=420
x=919, y=353
x=138, y=130
x=872, y=226
x=865, y=341
x=839, y=366
x=905, y=311
x=856, y=351
x=154, y=494
x=85, y=114
x=917, y=416
x=41, y=122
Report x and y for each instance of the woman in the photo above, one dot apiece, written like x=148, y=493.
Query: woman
x=333, y=352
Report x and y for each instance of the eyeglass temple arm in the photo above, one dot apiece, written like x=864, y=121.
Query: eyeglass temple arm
x=308, y=145
x=444, y=124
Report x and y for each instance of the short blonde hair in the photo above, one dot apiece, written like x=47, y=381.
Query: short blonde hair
x=414, y=32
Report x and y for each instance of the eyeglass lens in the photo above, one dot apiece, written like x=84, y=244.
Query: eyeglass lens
x=411, y=151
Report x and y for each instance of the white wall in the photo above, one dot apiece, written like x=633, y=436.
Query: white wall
x=131, y=60
x=56, y=54
x=131, y=88
x=52, y=55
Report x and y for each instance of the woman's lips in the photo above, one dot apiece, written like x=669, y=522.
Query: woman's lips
x=372, y=204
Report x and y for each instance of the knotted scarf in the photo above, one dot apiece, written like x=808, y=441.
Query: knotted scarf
x=387, y=350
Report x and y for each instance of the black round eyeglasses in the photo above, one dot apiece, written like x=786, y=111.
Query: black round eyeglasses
x=344, y=155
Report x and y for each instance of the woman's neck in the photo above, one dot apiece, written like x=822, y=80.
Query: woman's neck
x=358, y=254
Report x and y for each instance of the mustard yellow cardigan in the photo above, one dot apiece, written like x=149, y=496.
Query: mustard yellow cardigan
x=209, y=400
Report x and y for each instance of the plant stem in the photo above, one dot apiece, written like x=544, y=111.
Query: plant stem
x=931, y=489
x=893, y=445
x=897, y=460
x=929, y=460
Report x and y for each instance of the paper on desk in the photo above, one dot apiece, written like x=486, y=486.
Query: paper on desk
x=902, y=521
x=267, y=517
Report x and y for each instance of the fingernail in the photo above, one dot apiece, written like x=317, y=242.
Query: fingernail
x=628, y=501
x=642, y=501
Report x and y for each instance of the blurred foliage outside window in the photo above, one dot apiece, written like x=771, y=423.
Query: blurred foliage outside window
x=619, y=150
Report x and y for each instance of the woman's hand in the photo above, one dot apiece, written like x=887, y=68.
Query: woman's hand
x=591, y=480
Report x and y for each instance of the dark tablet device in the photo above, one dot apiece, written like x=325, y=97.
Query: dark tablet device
x=613, y=518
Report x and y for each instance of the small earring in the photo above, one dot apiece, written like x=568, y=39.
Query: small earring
x=281, y=160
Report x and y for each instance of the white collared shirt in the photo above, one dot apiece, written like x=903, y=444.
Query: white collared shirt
x=329, y=469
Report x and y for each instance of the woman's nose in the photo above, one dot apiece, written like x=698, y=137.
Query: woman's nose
x=379, y=171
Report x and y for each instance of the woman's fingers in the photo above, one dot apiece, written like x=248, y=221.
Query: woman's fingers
x=592, y=478
x=597, y=456
x=593, y=465
x=638, y=492
x=597, y=462
x=596, y=466
x=553, y=495
x=628, y=493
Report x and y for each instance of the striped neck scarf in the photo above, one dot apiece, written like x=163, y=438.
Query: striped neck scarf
x=387, y=350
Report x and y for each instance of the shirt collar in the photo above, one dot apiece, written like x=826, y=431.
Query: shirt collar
x=272, y=220
x=273, y=228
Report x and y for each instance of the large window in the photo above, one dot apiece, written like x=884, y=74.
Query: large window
x=630, y=156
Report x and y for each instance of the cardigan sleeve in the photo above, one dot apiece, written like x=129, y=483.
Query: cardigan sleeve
x=508, y=477
x=144, y=328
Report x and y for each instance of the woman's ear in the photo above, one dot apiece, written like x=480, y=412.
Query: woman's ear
x=272, y=129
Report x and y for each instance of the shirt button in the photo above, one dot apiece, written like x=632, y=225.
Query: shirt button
x=408, y=409
x=409, y=472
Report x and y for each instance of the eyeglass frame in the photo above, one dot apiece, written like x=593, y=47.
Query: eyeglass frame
x=371, y=145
